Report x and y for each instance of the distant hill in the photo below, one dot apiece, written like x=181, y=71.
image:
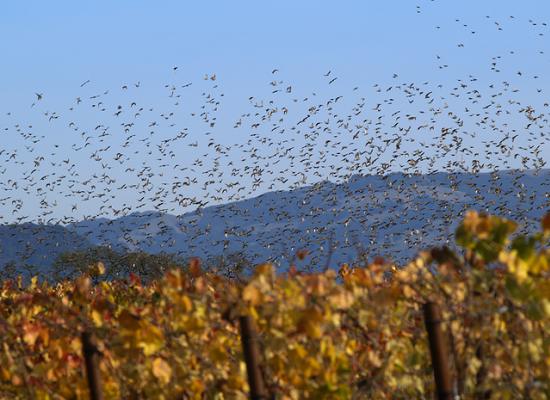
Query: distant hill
x=38, y=245
x=395, y=216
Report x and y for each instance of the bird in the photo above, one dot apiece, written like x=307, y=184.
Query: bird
x=339, y=170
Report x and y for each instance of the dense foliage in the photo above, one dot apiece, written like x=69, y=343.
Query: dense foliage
x=69, y=265
x=119, y=264
x=356, y=333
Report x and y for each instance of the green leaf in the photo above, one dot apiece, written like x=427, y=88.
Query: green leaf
x=524, y=246
x=517, y=291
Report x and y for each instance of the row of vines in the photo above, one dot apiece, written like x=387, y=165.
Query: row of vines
x=353, y=333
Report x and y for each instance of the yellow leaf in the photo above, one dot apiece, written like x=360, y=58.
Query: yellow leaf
x=31, y=334
x=151, y=339
x=310, y=323
x=96, y=317
x=264, y=269
x=341, y=300
x=41, y=395
x=34, y=282
x=100, y=268
x=5, y=374
x=161, y=370
x=197, y=386
x=374, y=359
x=186, y=303
x=252, y=294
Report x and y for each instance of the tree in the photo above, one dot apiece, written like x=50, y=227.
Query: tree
x=118, y=265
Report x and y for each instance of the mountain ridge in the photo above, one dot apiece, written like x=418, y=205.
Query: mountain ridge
x=394, y=215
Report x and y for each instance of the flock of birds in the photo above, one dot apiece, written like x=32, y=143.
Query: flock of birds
x=106, y=158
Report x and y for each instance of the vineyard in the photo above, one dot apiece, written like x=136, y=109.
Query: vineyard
x=357, y=332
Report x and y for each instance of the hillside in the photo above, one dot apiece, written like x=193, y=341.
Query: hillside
x=394, y=216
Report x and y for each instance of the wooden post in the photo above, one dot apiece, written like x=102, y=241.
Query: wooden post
x=249, y=339
x=91, y=359
x=440, y=364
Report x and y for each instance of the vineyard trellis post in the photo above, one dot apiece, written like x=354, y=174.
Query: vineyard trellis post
x=91, y=358
x=438, y=351
x=251, y=351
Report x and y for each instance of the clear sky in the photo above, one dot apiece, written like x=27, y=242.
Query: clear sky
x=52, y=48
x=55, y=46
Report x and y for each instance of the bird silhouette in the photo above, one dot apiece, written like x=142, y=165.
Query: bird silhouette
x=341, y=172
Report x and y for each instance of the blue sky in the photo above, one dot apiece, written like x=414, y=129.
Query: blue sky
x=53, y=47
